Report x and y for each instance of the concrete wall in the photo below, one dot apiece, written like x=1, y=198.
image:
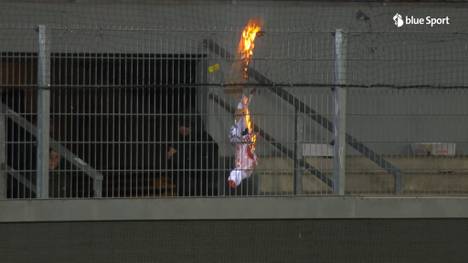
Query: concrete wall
x=233, y=208
x=416, y=240
x=297, y=48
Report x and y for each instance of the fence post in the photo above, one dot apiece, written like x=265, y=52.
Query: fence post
x=339, y=120
x=43, y=114
x=297, y=154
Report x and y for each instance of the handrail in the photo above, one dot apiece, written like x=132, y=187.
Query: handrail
x=21, y=178
x=64, y=152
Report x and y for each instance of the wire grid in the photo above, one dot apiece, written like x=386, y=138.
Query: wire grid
x=18, y=89
x=120, y=100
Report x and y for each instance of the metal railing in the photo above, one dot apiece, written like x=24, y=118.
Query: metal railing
x=88, y=124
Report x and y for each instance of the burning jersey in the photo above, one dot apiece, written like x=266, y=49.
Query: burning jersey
x=243, y=140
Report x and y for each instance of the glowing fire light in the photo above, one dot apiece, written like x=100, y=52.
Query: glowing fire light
x=248, y=122
x=247, y=45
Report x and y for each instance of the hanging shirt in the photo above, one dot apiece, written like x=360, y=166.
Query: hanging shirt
x=245, y=158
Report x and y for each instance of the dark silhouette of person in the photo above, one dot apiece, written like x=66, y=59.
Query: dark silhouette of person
x=192, y=157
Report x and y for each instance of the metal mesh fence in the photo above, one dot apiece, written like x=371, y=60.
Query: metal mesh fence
x=146, y=112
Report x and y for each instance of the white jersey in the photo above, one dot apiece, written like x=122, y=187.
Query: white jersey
x=245, y=157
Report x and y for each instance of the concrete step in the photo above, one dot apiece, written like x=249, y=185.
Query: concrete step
x=419, y=174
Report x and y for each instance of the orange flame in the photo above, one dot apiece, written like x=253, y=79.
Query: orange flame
x=247, y=44
x=249, y=124
x=249, y=127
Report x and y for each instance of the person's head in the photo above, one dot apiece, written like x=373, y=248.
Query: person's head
x=54, y=160
x=184, y=130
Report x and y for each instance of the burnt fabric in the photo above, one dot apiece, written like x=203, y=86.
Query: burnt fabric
x=242, y=139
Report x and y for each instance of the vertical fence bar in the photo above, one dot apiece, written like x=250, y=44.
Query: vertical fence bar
x=339, y=130
x=3, y=174
x=43, y=113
